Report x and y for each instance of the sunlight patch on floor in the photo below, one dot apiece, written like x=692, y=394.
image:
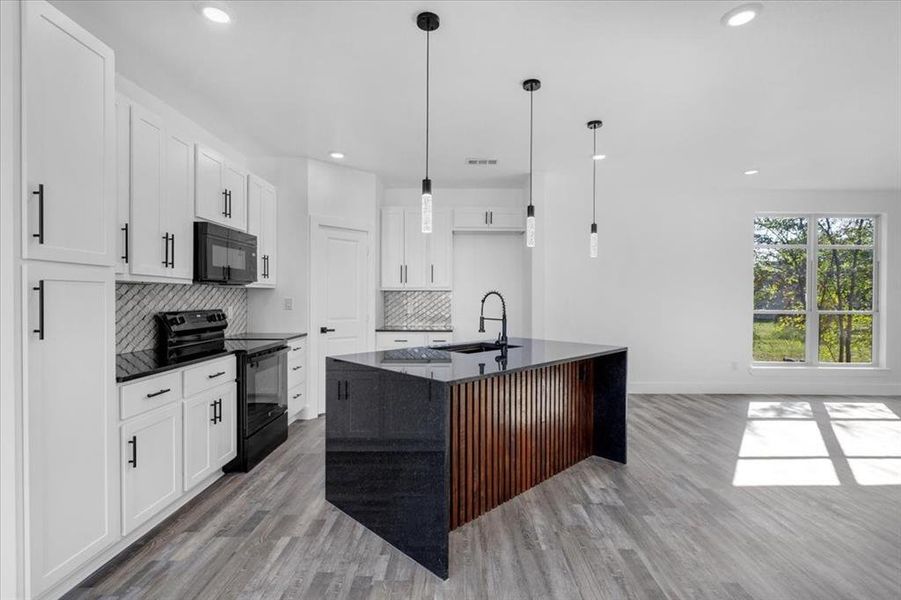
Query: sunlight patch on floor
x=779, y=410
x=782, y=439
x=876, y=471
x=858, y=410
x=869, y=438
x=784, y=471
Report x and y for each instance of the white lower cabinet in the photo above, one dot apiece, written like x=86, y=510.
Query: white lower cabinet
x=210, y=433
x=151, y=464
x=171, y=444
x=297, y=360
x=70, y=418
x=393, y=340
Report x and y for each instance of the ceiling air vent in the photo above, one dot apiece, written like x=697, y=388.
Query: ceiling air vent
x=481, y=162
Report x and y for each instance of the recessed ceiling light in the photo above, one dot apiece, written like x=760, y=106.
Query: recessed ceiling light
x=752, y=172
x=217, y=12
x=337, y=155
x=598, y=156
x=741, y=15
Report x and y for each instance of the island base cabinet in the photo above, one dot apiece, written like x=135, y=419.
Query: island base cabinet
x=69, y=416
x=151, y=464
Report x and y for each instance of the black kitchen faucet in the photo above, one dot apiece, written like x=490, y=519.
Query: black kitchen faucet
x=502, y=336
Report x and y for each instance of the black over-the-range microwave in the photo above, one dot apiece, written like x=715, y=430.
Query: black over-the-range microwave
x=223, y=255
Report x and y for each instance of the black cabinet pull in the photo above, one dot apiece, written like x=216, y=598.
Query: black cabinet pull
x=125, y=256
x=325, y=330
x=339, y=390
x=40, y=195
x=166, y=259
x=346, y=392
x=159, y=393
x=215, y=375
x=224, y=203
x=229, y=203
x=296, y=396
x=40, y=290
x=300, y=347
x=433, y=273
x=134, y=451
x=491, y=217
x=213, y=406
x=401, y=273
x=172, y=262
x=400, y=340
x=220, y=410
x=297, y=368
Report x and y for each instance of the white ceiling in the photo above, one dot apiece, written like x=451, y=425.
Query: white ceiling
x=809, y=93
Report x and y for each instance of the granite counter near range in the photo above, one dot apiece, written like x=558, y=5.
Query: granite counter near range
x=413, y=455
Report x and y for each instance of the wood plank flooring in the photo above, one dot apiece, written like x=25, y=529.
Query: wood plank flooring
x=670, y=524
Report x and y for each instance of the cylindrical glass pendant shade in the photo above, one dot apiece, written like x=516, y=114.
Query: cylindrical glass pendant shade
x=530, y=226
x=593, y=244
x=427, y=206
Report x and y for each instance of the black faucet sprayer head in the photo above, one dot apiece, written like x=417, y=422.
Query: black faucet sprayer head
x=481, y=324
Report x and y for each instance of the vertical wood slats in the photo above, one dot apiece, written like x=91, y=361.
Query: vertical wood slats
x=510, y=432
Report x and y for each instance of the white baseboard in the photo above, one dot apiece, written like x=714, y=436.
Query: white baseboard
x=856, y=388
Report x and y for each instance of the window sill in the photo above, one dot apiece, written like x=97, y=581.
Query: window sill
x=863, y=370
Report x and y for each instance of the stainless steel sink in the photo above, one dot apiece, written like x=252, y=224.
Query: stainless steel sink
x=474, y=347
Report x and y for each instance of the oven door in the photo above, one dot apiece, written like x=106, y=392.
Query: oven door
x=266, y=388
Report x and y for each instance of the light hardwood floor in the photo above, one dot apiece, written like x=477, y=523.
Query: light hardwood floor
x=670, y=524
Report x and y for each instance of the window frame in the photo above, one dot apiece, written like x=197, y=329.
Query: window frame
x=812, y=312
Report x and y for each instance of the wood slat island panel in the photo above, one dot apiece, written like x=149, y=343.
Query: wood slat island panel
x=511, y=431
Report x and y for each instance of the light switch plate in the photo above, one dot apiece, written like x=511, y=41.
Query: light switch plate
x=289, y=303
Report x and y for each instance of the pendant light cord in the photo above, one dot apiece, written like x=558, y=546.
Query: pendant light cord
x=427, y=58
x=594, y=179
x=531, y=135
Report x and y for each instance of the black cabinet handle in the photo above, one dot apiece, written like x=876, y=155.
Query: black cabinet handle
x=433, y=273
x=40, y=195
x=217, y=411
x=215, y=375
x=125, y=256
x=346, y=392
x=296, y=396
x=301, y=347
x=400, y=340
x=297, y=368
x=229, y=204
x=159, y=393
x=166, y=259
x=325, y=330
x=224, y=203
x=401, y=273
x=491, y=217
x=40, y=290
x=339, y=390
x=213, y=406
x=134, y=451
x=172, y=262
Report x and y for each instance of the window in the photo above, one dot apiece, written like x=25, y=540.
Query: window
x=815, y=289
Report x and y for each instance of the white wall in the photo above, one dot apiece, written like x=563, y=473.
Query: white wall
x=674, y=283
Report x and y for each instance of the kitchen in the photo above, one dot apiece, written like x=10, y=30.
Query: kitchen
x=552, y=305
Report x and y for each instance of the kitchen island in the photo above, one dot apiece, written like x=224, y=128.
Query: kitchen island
x=420, y=441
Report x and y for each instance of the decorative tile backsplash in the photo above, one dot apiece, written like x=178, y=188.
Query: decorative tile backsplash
x=418, y=309
x=138, y=303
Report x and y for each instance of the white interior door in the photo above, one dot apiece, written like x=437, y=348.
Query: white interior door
x=474, y=276
x=341, y=300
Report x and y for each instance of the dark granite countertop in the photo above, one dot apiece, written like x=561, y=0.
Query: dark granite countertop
x=416, y=329
x=143, y=363
x=528, y=354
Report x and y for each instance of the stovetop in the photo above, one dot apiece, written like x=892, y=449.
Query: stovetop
x=252, y=346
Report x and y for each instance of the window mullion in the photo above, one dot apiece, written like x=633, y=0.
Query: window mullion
x=813, y=316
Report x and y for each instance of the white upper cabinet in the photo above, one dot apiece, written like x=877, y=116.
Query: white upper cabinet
x=220, y=190
x=489, y=219
x=178, y=204
x=69, y=137
x=262, y=221
x=412, y=259
x=162, y=200
x=70, y=416
x=123, y=182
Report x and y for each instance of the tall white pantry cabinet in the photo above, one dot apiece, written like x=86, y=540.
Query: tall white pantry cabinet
x=69, y=445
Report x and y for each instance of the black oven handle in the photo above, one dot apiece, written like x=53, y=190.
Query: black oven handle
x=257, y=356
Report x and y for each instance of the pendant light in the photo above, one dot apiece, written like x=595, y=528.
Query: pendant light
x=593, y=234
x=530, y=85
x=428, y=22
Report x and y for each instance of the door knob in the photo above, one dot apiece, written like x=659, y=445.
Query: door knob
x=325, y=330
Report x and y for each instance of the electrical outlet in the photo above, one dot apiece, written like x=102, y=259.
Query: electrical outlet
x=229, y=312
x=289, y=303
